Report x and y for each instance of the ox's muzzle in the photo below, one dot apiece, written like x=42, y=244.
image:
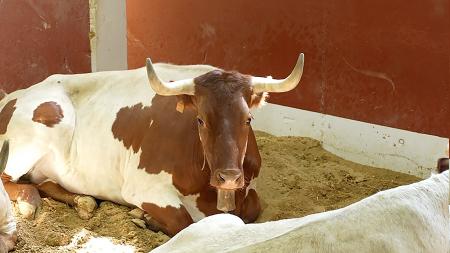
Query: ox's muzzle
x=228, y=179
x=227, y=182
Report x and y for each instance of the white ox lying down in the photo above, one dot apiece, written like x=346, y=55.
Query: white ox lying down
x=7, y=222
x=411, y=218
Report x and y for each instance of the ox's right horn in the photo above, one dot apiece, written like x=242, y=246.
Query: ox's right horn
x=262, y=84
x=162, y=88
x=4, y=153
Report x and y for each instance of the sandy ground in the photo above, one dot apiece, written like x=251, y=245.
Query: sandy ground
x=298, y=178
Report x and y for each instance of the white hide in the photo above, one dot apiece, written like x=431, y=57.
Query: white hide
x=190, y=202
x=80, y=150
x=7, y=222
x=411, y=218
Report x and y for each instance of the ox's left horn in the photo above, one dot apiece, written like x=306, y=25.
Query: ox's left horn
x=261, y=84
x=162, y=88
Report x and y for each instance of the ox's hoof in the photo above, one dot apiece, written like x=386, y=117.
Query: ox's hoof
x=138, y=222
x=152, y=224
x=136, y=213
x=85, y=206
x=26, y=209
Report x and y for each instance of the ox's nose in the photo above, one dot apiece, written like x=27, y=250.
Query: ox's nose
x=229, y=179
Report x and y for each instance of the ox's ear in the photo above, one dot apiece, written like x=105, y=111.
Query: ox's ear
x=258, y=99
x=184, y=101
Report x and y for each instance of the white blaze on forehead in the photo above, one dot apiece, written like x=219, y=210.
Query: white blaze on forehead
x=190, y=203
x=7, y=223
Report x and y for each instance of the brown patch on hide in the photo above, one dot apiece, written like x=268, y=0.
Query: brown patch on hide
x=131, y=125
x=168, y=139
x=172, y=220
x=6, y=114
x=48, y=113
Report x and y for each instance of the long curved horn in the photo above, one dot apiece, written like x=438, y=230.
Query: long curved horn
x=261, y=84
x=4, y=156
x=162, y=88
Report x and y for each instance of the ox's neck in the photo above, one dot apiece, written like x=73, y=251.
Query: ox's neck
x=167, y=141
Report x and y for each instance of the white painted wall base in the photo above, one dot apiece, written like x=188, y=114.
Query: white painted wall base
x=364, y=143
x=108, y=35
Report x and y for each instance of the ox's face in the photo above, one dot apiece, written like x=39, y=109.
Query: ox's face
x=223, y=101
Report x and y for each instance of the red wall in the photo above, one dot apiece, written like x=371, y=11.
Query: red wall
x=42, y=37
x=384, y=62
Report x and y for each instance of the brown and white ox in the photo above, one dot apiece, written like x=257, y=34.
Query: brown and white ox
x=7, y=223
x=175, y=141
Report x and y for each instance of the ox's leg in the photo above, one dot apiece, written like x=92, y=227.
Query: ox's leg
x=85, y=205
x=26, y=195
x=251, y=208
x=157, y=196
x=170, y=220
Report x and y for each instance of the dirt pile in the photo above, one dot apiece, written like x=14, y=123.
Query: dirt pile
x=299, y=177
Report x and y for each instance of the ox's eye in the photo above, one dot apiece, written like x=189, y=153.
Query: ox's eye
x=200, y=122
x=249, y=119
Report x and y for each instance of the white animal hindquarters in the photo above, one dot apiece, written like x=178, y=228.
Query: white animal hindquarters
x=411, y=218
x=7, y=222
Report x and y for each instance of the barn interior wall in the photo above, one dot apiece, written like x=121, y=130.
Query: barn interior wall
x=382, y=62
x=40, y=38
